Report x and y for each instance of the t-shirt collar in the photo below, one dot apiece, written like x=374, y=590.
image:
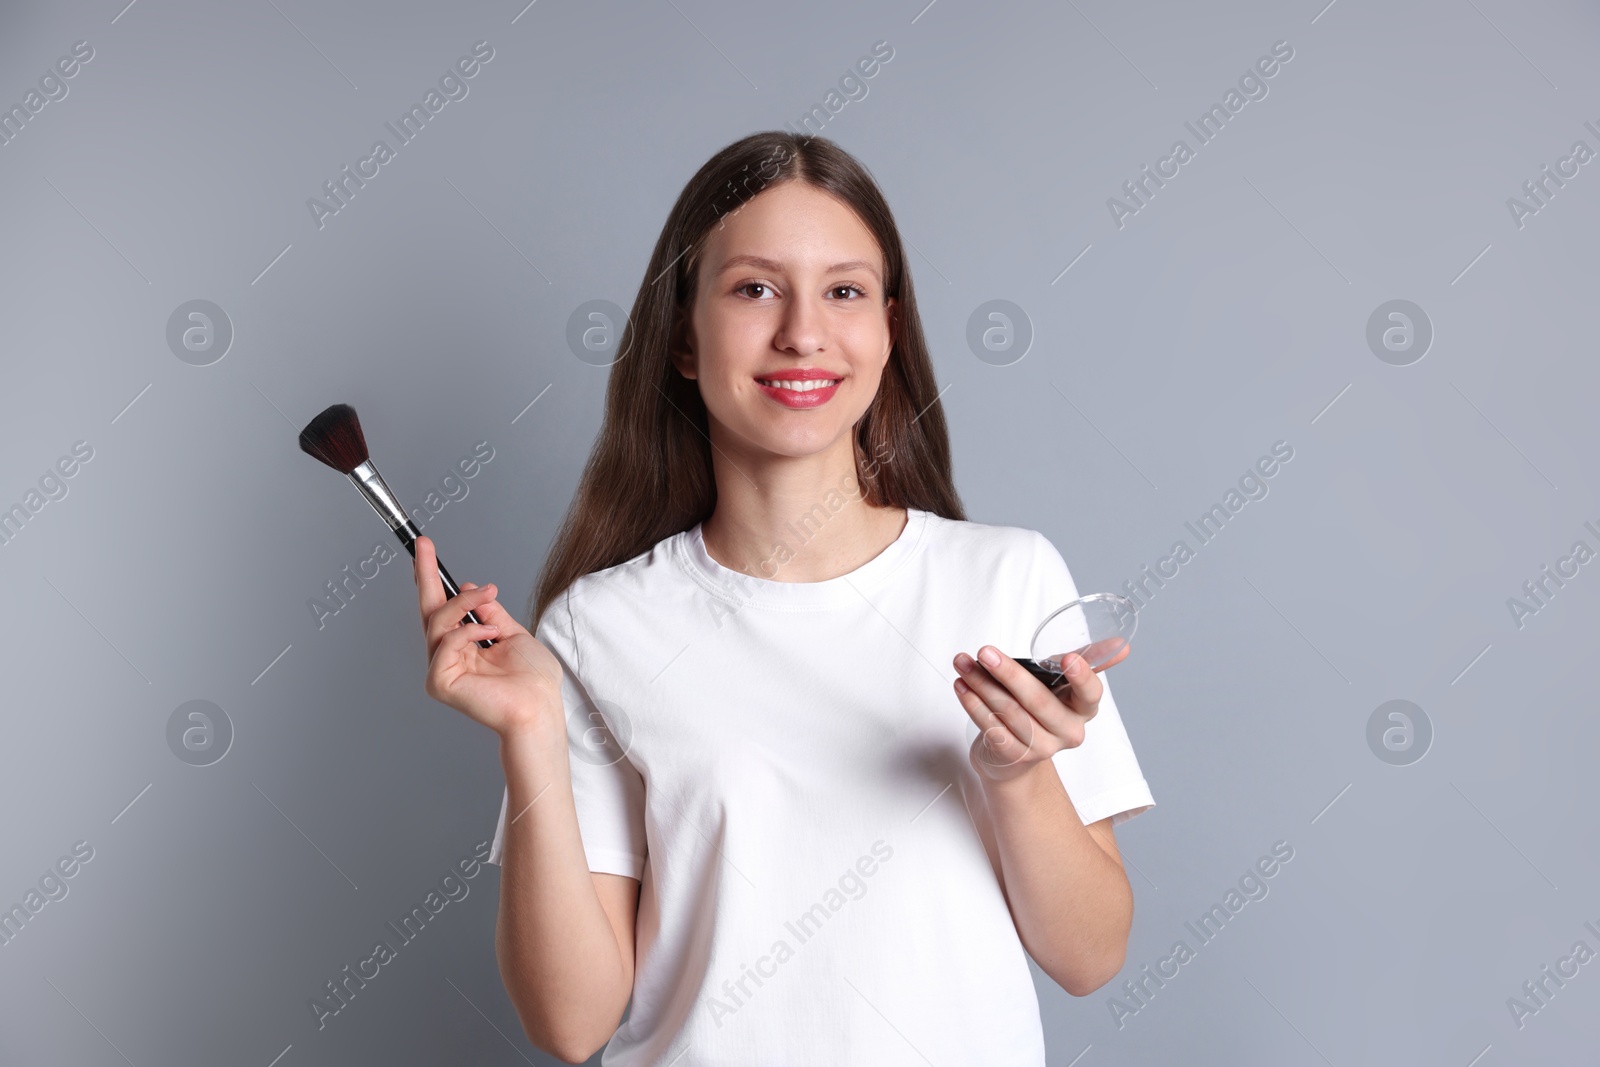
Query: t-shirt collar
x=745, y=589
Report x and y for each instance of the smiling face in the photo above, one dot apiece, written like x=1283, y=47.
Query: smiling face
x=790, y=284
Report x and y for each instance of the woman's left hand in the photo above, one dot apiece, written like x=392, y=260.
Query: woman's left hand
x=1020, y=721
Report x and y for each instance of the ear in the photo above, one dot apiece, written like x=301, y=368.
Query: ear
x=681, y=348
x=894, y=322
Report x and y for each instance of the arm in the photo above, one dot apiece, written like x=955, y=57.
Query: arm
x=1064, y=881
x=565, y=937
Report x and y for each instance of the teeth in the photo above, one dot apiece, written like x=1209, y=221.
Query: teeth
x=799, y=387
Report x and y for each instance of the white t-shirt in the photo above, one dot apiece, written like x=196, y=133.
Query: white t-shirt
x=784, y=765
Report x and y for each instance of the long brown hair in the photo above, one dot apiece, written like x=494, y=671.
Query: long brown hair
x=649, y=474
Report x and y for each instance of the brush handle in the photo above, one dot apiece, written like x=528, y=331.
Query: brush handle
x=366, y=478
x=408, y=536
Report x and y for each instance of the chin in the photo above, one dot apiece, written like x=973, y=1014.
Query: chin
x=803, y=442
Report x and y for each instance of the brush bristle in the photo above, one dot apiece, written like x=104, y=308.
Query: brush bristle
x=334, y=437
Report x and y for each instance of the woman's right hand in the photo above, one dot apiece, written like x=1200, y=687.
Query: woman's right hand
x=513, y=686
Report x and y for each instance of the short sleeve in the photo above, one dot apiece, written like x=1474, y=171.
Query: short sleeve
x=607, y=789
x=1102, y=776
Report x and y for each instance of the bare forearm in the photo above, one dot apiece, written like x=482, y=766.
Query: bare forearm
x=557, y=951
x=1070, y=900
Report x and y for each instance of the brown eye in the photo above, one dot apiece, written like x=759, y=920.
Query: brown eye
x=752, y=285
x=852, y=288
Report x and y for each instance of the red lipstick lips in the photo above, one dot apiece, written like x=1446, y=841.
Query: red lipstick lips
x=805, y=393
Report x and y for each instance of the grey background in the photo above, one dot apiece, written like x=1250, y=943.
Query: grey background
x=1229, y=313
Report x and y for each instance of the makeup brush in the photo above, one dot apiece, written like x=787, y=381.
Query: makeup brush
x=334, y=437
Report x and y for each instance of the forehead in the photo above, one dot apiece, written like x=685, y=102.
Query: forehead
x=793, y=226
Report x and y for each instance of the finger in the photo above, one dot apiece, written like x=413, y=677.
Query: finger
x=1009, y=685
x=1081, y=688
x=457, y=640
x=448, y=615
x=1112, y=650
x=1118, y=658
x=493, y=611
x=449, y=659
x=982, y=715
x=452, y=611
x=1077, y=689
x=430, y=594
x=1000, y=745
x=996, y=707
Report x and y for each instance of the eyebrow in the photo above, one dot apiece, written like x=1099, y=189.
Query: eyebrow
x=767, y=264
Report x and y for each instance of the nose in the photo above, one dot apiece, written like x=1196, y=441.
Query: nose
x=801, y=327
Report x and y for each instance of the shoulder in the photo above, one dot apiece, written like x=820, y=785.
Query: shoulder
x=986, y=540
x=640, y=580
x=1017, y=566
x=993, y=555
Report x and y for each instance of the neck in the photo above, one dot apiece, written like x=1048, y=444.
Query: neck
x=797, y=519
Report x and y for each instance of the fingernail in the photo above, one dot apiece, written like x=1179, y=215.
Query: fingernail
x=989, y=656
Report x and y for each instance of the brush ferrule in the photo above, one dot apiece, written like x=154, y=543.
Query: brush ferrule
x=367, y=479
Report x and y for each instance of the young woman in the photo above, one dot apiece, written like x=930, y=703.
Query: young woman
x=755, y=781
